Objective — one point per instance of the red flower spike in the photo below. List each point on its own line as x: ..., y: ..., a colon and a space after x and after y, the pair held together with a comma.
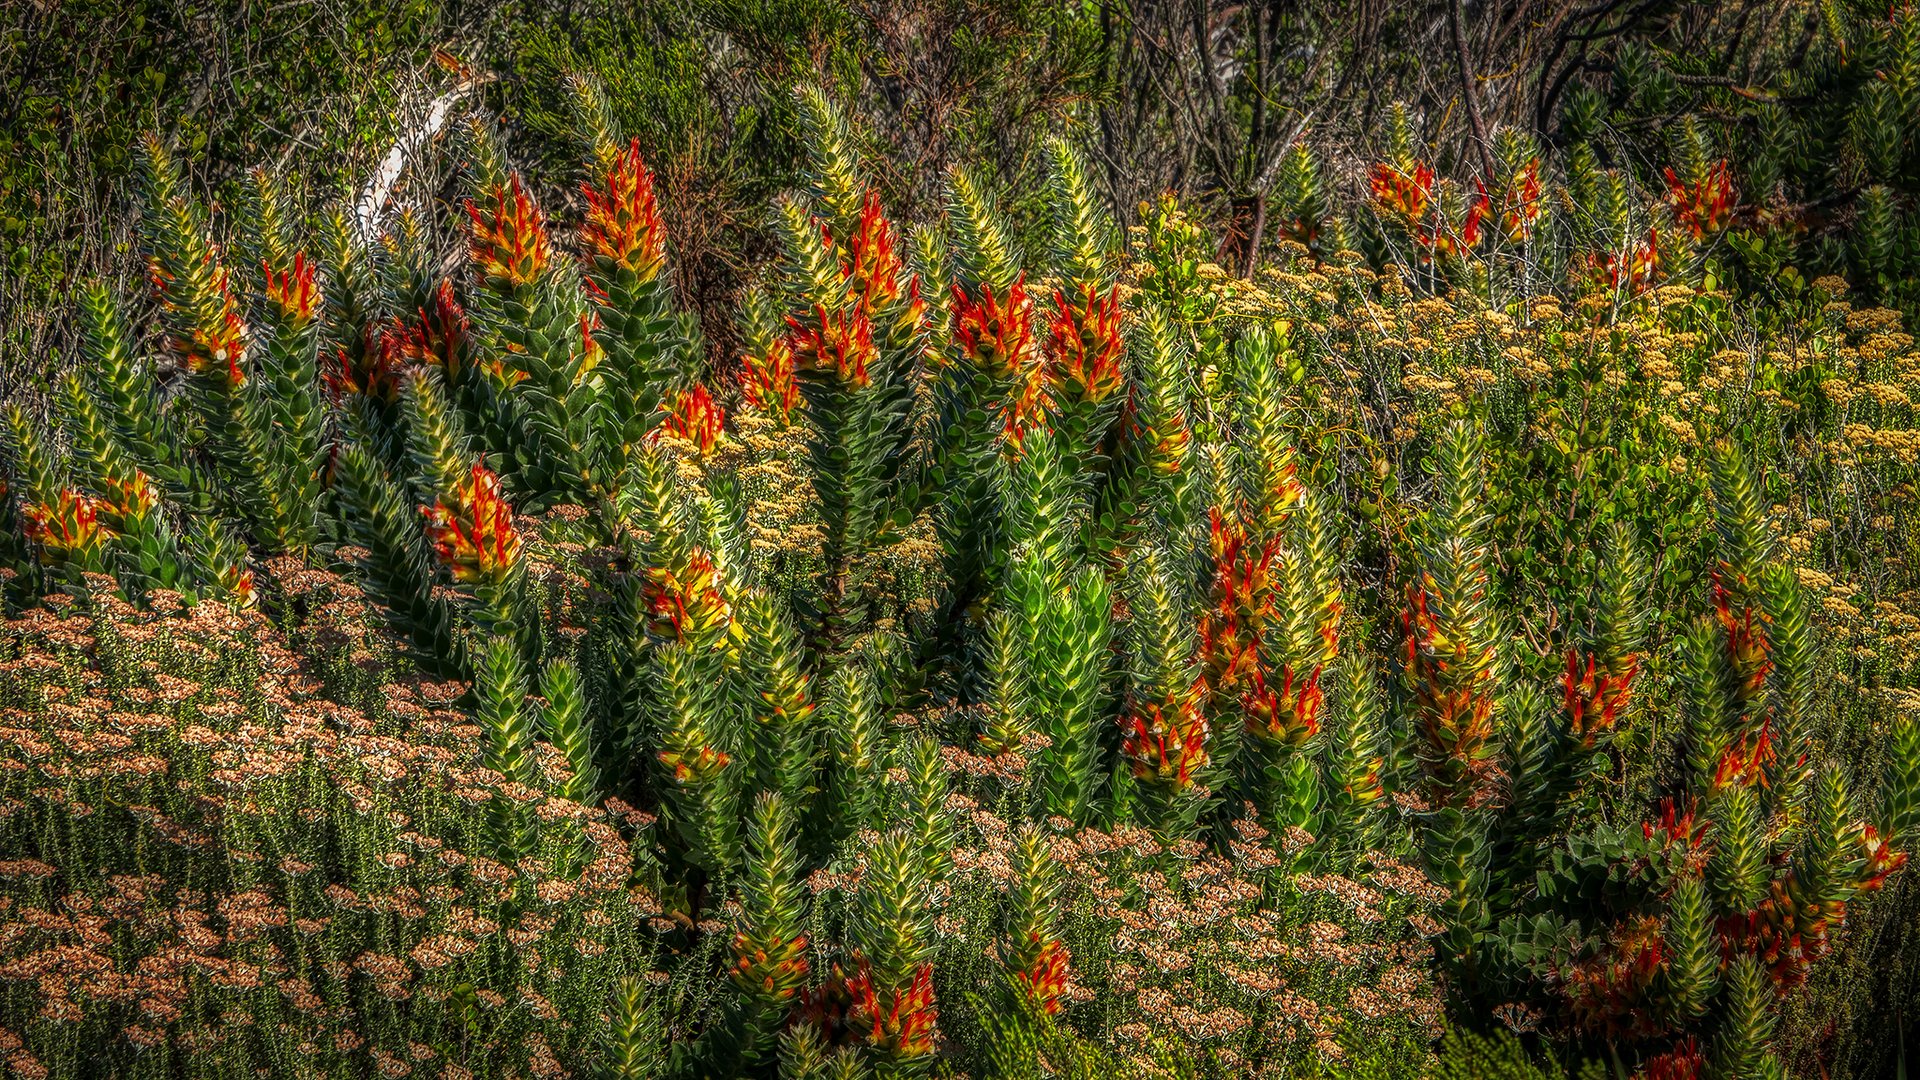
x: 695, y: 766
x: 995, y: 332
x: 695, y: 418
x: 838, y: 342
x: 1674, y: 826
x: 436, y: 337
x: 623, y: 217
x: 687, y: 604
x: 1595, y: 700
x: 1086, y: 343
x: 292, y: 292
x: 1607, y: 990
x: 1878, y: 859
x: 900, y: 1023
x: 1455, y: 720
x: 472, y: 529
x: 1683, y: 1062
x: 1241, y: 602
x: 68, y: 528
x: 874, y: 266
x: 1045, y: 976
x: 1287, y: 715
x: 1404, y: 195
x: 1027, y: 411
x: 1703, y: 207
x: 508, y: 242
x: 1633, y: 270
x: 775, y: 969
x: 1166, y: 742
x: 768, y: 383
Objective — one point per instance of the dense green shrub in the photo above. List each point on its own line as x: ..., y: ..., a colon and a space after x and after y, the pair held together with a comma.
x: 1040, y: 653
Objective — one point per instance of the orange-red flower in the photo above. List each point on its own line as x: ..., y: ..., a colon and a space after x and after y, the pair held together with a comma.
x: 508, y: 241
x: 1044, y: 973
x: 623, y: 217
x: 696, y: 765
x: 900, y: 1022
x: 995, y: 331
x: 840, y: 342
x: 1704, y: 206
x: 1287, y: 714
x: 686, y: 603
x: 873, y: 268
x: 1683, y: 1062
x: 69, y: 528
x: 1745, y: 762
x: 695, y: 418
x: 215, y: 340
x: 1633, y: 269
x: 1595, y: 699
x: 1674, y: 826
x: 1026, y: 410
x: 1878, y: 858
x: 1086, y: 343
x: 436, y: 336
x: 1406, y: 195
x: 1239, y: 606
x: 768, y: 382
x: 472, y: 529
x: 292, y: 292
x: 1455, y: 712
x: 1166, y: 742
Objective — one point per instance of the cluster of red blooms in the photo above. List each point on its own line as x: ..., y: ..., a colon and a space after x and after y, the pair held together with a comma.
x: 837, y: 341
x: 1520, y: 203
x: 1287, y: 714
x: 1595, y: 699
x: 70, y: 527
x: 622, y: 224
x: 1634, y: 268
x: 695, y: 417
x: 840, y: 339
x: 900, y: 1023
x: 850, y: 1008
x: 472, y: 529
x: 686, y: 602
x: 1241, y: 604
x: 129, y: 499
x: 1044, y: 974
x: 1606, y: 989
x: 1704, y: 206
x: 1675, y: 826
x: 1745, y: 762
x: 1792, y: 928
x: 995, y: 330
x: 1683, y: 1062
x: 1086, y: 343
x: 1405, y: 193
x: 767, y: 380
x: 436, y: 337
x: 695, y: 765
x: 508, y: 241
x: 292, y: 291
x: 217, y: 337
x: 873, y: 266
x: 1166, y: 742
x: 1456, y: 714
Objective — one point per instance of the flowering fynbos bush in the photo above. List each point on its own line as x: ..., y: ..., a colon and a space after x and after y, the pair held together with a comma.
x: 1016, y: 660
